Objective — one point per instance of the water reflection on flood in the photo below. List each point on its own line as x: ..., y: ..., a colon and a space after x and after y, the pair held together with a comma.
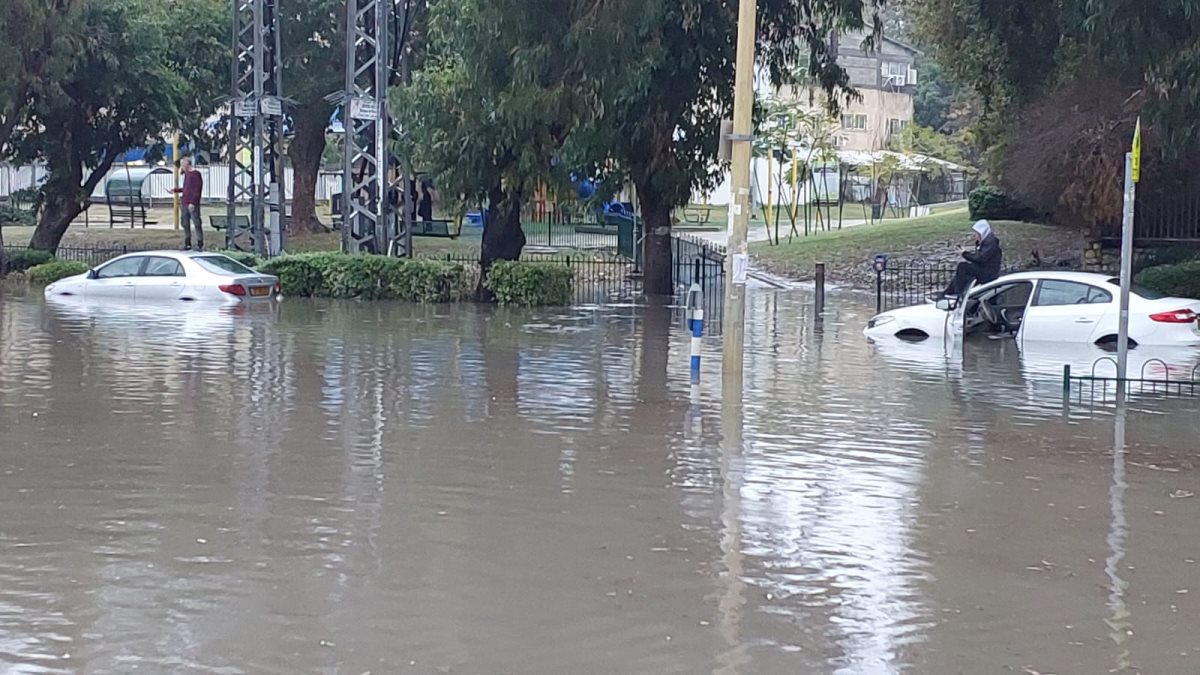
x: 333, y: 488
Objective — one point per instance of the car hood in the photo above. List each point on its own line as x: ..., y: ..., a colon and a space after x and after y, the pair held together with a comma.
x: 915, y: 313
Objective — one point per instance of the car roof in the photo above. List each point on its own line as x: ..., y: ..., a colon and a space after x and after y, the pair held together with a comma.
x: 179, y: 255
x: 1050, y: 275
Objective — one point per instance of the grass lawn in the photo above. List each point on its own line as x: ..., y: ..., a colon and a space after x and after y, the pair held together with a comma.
x: 931, y: 238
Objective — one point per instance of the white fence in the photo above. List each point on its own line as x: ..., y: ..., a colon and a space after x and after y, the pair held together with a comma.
x: 158, y: 186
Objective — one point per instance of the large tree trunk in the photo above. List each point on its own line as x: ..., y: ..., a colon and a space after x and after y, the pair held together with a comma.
x: 57, y: 215
x: 658, y: 279
x: 306, y: 149
x: 503, y: 238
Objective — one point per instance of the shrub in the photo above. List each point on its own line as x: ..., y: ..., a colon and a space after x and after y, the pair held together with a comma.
x: 50, y: 272
x: 10, y: 215
x: 990, y: 203
x: 248, y: 259
x: 369, y: 277
x: 1170, y: 255
x: 1182, y: 280
x: 21, y: 259
x: 530, y: 284
x: 297, y: 274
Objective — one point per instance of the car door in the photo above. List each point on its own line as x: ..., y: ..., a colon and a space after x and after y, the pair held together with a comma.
x: 1067, y: 311
x: 162, y: 278
x: 116, y: 279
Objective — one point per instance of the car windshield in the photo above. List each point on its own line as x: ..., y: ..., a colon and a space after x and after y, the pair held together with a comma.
x: 1138, y: 290
x: 219, y: 264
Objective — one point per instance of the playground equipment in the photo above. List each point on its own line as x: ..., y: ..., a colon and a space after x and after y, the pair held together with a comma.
x: 123, y: 193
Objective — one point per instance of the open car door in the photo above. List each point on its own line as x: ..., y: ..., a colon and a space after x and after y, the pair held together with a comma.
x: 956, y: 322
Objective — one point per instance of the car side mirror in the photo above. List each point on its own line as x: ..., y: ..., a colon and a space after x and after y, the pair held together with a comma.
x: 944, y: 304
x: 91, y: 274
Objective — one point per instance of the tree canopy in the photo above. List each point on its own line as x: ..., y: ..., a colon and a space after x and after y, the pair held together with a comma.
x: 102, y: 93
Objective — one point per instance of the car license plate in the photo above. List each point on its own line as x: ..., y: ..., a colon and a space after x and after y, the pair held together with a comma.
x: 260, y: 291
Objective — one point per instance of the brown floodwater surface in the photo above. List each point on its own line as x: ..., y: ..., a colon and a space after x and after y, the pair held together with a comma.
x: 377, y: 488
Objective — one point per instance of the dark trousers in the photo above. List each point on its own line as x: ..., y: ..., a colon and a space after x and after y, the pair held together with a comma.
x: 190, y: 214
x: 964, y: 274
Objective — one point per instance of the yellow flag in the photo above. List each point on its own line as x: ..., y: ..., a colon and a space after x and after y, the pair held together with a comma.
x: 1137, y: 151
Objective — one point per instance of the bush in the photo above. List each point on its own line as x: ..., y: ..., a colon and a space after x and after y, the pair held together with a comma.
x: 50, y: 272
x: 21, y: 259
x: 248, y: 259
x: 367, y: 277
x: 990, y: 203
x: 297, y: 274
x: 10, y: 215
x: 1170, y: 255
x: 1182, y: 280
x: 530, y: 284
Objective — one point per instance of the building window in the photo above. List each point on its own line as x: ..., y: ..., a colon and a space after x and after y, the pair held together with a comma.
x: 895, y: 126
x: 895, y: 73
x: 840, y: 141
x: 854, y: 122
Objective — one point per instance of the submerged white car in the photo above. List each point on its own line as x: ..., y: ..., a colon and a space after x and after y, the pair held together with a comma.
x: 1076, y: 307
x: 170, y: 276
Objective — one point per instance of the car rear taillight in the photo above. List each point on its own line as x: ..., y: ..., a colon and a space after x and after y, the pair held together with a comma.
x: 278, y: 288
x: 233, y: 289
x: 1178, y: 316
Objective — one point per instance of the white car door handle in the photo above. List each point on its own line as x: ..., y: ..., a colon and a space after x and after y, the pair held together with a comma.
x: 1085, y: 320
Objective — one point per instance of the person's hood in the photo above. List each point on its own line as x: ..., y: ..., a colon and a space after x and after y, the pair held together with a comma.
x: 983, y: 228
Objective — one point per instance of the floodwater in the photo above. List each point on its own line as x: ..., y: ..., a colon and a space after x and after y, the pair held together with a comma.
x: 373, y: 488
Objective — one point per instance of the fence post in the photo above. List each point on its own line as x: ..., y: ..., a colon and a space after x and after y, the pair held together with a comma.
x: 820, y: 288
x: 878, y: 290
x: 1066, y: 379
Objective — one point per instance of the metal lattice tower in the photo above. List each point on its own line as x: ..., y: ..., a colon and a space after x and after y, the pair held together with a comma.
x: 373, y: 192
x: 255, y: 123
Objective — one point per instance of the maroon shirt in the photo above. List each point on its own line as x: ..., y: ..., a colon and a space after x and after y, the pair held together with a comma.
x: 193, y: 187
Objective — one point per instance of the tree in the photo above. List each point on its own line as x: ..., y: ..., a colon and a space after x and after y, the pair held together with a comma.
x: 313, y: 41
x: 503, y: 86
x: 113, y: 92
x: 661, y: 116
x: 1061, y: 83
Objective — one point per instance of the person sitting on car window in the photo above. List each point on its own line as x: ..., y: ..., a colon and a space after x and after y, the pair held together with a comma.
x: 981, y: 265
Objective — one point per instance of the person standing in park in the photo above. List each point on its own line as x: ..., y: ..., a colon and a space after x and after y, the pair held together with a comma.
x: 192, y: 190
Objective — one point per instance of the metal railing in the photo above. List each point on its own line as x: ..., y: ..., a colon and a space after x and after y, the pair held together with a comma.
x: 598, y: 278
x: 1095, y: 387
x: 909, y: 284
x: 700, y: 262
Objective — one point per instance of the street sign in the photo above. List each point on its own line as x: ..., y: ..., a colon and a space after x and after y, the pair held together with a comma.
x: 1137, y: 152
x: 364, y: 108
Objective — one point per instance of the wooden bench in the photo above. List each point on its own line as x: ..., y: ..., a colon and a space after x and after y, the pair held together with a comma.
x: 222, y: 222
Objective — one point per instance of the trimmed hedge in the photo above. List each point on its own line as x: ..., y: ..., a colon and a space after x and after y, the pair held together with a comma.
x: 14, y: 216
x: 991, y: 203
x: 21, y: 259
x: 50, y: 272
x: 1182, y: 280
x: 368, y: 277
x: 248, y: 259
x: 530, y: 284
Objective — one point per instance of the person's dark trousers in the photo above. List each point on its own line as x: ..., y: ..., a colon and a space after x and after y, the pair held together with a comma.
x: 964, y: 274
x: 191, y: 218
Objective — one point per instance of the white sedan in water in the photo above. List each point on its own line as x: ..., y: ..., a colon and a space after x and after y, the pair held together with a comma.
x: 1076, y: 307
x: 170, y: 276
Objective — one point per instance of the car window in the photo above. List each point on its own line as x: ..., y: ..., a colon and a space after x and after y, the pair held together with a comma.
x: 219, y: 264
x: 125, y: 267
x: 1011, y: 295
x: 1054, y: 293
x: 163, y: 267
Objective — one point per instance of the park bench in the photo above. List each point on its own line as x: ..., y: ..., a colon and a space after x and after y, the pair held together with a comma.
x: 697, y: 215
x: 434, y: 228
x: 222, y: 222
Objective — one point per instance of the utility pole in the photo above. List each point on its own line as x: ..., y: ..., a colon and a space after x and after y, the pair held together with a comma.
x: 739, y: 209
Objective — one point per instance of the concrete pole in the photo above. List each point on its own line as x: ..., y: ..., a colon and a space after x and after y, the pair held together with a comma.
x: 1126, y: 274
x: 739, y: 209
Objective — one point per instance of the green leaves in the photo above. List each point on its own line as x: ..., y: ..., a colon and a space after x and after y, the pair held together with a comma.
x: 530, y: 284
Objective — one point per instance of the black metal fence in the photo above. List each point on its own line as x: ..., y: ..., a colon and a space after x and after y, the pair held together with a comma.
x: 599, y: 278
x: 909, y: 284
x: 700, y: 262
x: 1097, y: 387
